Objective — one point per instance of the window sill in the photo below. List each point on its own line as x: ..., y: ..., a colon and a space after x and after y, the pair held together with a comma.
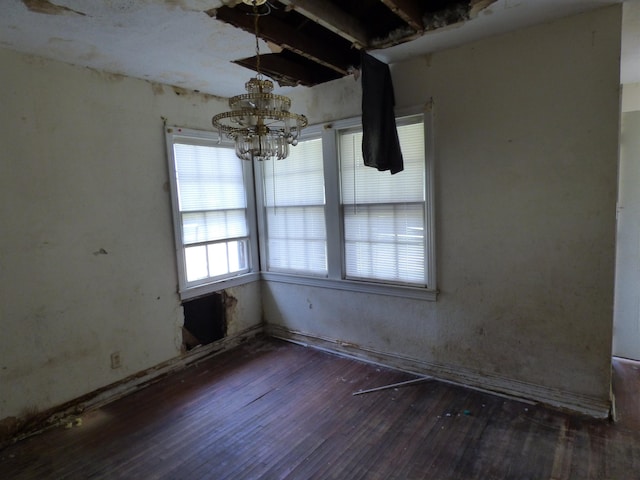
x: 201, y: 290
x: 414, y: 293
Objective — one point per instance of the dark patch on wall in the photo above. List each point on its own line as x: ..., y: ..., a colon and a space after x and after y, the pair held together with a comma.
x: 46, y: 7
x: 205, y: 320
x: 13, y: 427
x: 180, y: 91
x: 8, y: 427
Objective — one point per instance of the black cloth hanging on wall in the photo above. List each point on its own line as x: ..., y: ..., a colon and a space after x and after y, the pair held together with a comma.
x: 380, y: 144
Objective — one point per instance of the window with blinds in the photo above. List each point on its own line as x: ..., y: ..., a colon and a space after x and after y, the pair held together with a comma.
x: 323, y: 217
x: 384, y: 215
x: 212, y: 210
x: 294, y: 204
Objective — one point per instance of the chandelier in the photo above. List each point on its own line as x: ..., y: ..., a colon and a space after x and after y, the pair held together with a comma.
x: 260, y: 123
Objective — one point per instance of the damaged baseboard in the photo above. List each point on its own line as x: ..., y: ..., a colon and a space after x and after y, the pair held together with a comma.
x: 489, y: 383
x: 41, y: 421
x: 142, y: 379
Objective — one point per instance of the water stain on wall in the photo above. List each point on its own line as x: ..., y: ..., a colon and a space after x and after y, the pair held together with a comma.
x: 157, y: 88
x: 195, y: 95
x: 109, y: 76
x: 49, y: 8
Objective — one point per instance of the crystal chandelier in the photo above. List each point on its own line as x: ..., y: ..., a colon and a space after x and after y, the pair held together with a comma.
x: 260, y: 123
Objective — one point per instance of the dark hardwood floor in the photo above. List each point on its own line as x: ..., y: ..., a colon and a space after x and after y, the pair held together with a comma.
x: 273, y: 410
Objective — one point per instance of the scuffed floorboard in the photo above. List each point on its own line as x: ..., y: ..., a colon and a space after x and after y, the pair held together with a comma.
x: 271, y: 410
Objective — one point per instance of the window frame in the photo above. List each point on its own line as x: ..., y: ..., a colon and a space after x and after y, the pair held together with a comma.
x: 335, y: 225
x: 309, y: 133
x: 188, y: 290
x: 347, y: 208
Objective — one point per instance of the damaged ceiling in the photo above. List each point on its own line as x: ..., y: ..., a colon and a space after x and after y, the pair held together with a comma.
x: 208, y: 45
x: 314, y: 41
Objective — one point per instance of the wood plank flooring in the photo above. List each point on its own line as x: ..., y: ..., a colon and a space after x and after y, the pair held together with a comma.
x: 274, y: 410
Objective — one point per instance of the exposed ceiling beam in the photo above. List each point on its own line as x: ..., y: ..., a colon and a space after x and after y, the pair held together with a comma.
x: 332, y: 18
x: 288, y: 72
x: 411, y: 11
x: 276, y: 31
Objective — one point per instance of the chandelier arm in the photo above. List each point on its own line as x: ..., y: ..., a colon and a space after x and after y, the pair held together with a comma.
x: 274, y: 99
x: 301, y: 120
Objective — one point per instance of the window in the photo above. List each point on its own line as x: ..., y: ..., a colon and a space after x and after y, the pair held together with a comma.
x: 212, y: 211
x: 294, y: 204
x: 324, y: 218
x: 331, y: 221
x: 384, y: 215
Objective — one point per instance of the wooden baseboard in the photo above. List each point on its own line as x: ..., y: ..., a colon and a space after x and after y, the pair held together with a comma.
x: 25, y: 427
x: 494, y: 384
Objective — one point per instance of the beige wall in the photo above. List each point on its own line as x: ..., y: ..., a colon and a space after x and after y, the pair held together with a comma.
x: 630, y: 97
x: 526, y: 176
x: 526, y: 143
x: 83, y: 170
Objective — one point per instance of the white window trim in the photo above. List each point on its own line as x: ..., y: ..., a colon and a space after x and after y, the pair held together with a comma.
x: 333, y: 218
x: 185, y: 290
x: 416, y: 293
x: 430, y: 219
x: 309, y: 133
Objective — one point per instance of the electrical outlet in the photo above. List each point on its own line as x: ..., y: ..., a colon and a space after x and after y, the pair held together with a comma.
x: 115, y: 360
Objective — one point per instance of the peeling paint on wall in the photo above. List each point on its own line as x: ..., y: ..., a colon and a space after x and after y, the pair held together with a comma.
x: 230, y: 304
x: 180, y: 91
x: 49, y: 8
x: 112, y: 77
x: 195, y: 94
x: 476, y: 6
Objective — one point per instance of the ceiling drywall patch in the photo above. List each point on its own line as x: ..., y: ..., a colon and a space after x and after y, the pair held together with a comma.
x: 45, y: 6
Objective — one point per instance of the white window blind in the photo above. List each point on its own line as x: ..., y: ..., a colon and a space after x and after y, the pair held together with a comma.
x: 212, y: 210
x: 294, y: 200
x: 383, y: 214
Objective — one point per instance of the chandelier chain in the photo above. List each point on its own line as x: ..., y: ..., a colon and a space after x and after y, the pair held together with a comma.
x: 255, y: 27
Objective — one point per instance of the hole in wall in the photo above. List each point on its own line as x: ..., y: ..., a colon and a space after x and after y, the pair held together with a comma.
x: 205, y: 320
